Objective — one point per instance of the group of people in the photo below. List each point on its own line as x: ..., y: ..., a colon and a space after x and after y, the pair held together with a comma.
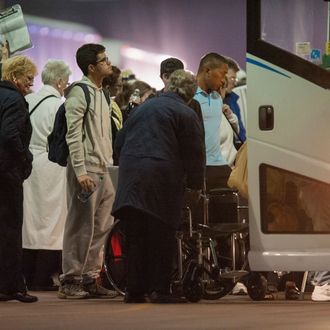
x: 167, y: 145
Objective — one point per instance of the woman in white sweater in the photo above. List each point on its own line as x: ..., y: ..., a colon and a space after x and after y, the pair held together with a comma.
x: 229, y: 123
x: 45, y: 191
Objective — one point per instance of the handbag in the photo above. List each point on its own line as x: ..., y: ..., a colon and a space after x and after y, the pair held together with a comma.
x: 238, y: 178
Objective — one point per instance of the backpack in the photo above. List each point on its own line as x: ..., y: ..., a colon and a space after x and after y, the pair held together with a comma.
x: 58, y: 150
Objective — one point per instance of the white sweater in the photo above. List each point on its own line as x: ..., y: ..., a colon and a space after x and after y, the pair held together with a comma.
x: 228, y: 149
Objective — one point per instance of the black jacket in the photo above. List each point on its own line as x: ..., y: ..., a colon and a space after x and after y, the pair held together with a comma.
x: 15, y: 132
x: 161, y: 148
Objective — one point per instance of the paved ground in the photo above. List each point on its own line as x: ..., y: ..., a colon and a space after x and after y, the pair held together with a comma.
x: 231, y: 312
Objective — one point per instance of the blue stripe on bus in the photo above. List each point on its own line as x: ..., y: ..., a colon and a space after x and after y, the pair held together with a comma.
x: 250, y: 60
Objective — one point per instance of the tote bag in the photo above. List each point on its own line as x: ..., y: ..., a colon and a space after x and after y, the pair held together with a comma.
x: 238, y: 178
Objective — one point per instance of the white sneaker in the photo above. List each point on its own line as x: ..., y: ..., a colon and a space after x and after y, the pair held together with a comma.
x: 239, y: 289
x: 321, y: 292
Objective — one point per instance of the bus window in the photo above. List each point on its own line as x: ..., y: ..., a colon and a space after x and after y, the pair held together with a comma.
x: 297, y: 26
x: 292, y: 203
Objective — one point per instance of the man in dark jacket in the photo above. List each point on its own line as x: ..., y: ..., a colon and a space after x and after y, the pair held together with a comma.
x: 15, y: 166
x: 161, y: 150
x: 231, y: 98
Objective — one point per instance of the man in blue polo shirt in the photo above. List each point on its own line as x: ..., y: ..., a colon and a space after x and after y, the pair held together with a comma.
x: 210, y: 77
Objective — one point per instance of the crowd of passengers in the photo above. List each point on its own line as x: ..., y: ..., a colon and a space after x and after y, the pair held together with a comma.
x: 169, y: 144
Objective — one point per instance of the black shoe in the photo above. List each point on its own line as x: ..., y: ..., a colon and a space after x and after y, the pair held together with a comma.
x: 134, y: 299
x: 20, y: 296
x: 24, y: 297
x: 292, y: 293
x: 159, y: 298
x: 5, y: 297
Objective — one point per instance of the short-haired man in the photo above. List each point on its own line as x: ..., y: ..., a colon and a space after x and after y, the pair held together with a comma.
x: 90, y: 154
x: 160, y: 145
x: 167, y: 67
x: 210, y: 77
x: 231, y: 97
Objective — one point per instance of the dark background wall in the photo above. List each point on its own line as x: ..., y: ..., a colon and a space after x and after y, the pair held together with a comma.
x: 183, y: 28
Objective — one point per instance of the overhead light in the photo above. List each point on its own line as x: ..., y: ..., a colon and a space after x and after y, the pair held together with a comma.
x: 143, y: 55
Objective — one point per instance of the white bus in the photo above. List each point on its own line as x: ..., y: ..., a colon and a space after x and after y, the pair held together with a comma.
x: 288, y: 129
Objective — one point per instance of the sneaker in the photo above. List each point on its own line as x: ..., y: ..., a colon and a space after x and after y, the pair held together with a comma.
x: 239, y: 289
x: 97, y: 291
x: 321, y: 292
x: 72, y: 291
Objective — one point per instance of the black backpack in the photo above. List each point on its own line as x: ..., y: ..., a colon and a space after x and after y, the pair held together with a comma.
x: 58, y: 150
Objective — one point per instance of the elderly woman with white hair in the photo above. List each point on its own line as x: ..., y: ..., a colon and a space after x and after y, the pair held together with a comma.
x: 45, y: 191
x: 161, y: 151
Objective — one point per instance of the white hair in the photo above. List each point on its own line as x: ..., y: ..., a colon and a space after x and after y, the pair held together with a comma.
x: 183, y: 83
x: 53, y: 71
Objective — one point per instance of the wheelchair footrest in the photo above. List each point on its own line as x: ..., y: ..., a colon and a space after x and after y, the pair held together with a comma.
x: 236, y: 274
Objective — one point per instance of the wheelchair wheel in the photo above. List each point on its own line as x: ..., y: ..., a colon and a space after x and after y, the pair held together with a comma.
x: 217, y: 288
x: 220, y: 282
x: 256, y: 285
x: 192, y: 284
x: 115, y: 262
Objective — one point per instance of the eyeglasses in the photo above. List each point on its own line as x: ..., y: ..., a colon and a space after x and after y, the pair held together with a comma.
x: 103, y: 60
x: 233, y: 79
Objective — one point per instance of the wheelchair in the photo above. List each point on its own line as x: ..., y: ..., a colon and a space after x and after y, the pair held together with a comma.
x: 232, y: 234
x: 225, y: 219
x: 211, y: 255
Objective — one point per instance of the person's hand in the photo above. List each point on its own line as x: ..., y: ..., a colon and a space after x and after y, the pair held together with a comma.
x: 86, y: 183
x: 4, y: 52
x: 222, y: 92
x: 226, y: 110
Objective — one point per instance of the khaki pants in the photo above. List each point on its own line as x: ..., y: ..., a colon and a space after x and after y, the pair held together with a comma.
x: 86, y: 228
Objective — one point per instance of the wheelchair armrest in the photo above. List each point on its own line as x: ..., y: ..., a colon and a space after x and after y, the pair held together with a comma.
x: 221, y: 191
x: 224, y: 228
